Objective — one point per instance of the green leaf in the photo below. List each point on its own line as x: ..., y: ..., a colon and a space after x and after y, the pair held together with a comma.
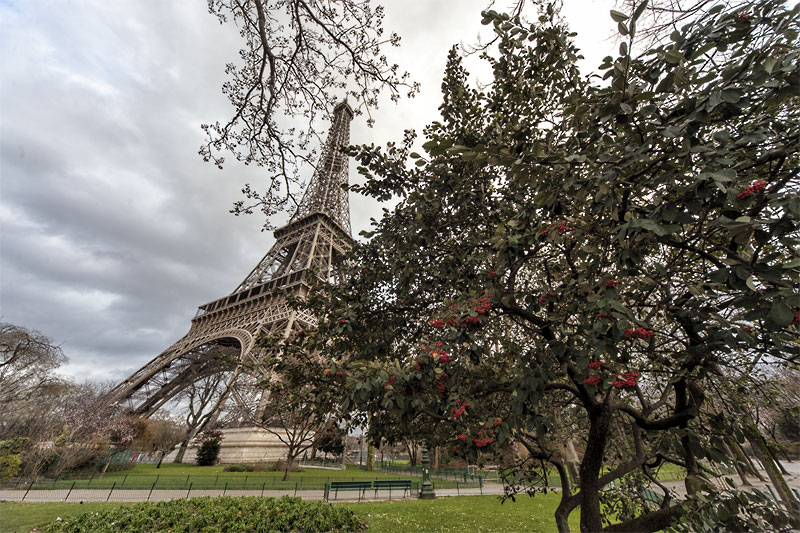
x: 731, y: 96
x: 794, y: 263
x: 639, y: 10
x: 779, y: 314
x: 618, y: 16
x: 622, y: 28
x: 674, y: 56
x: 623, y: 48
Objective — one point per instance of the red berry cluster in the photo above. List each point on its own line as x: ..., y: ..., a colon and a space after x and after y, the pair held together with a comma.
x: 460, y: 408
x: 462, y: 437
x: 603, y: 315
x: 390, y: 381
x: 484, y: 438
x: 497, y: 422
x: 796, y: 320
x: 594, y: 365
x: 444, y: 358
x: 342, y: 321
x: 755, y: 188
x: 492, y: 273
x: 484, y: 304
x: 561, y: 228
x: 440, y: 387
x: 744, y: 18
x: 611, y: 283
x: 594, y: 381
x: 543, y: 299
x: 627, y: 379
x: 638, y: 333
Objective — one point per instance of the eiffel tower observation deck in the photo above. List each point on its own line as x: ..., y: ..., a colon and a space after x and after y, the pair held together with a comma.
x: 206, y: 370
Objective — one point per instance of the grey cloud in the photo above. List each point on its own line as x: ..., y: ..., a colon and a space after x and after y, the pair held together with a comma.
x: 113, y: 229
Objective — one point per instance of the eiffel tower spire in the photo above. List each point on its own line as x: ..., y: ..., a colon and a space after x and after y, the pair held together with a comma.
x: 324, y: 193
x: 224, y: 335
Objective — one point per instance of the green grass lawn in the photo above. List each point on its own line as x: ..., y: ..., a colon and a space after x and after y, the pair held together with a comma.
x: 178, y: 476
x: 26, y: 516
x: 465, y: 513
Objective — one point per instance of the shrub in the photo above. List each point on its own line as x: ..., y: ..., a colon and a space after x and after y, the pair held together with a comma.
x: 280, y: 466
x: 11, y: 457
x: 209, y: 448
x: 239, y: 468
x: 215, y: 514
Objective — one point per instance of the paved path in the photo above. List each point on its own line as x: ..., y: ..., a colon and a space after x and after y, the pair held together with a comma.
x: 125, y: 495
x: 793, y: 479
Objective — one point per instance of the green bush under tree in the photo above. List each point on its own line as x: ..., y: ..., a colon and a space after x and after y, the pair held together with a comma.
x: 222, y: 514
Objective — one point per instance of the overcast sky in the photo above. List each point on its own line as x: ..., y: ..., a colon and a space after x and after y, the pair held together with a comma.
x: 112, y: 229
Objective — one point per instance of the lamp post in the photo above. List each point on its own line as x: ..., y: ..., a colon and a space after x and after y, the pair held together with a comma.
x: 426, y: 492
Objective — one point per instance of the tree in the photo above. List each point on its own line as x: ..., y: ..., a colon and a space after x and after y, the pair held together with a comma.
x: 291, y: 407
x: 28, y: 360
x: 210, y: 443
x: 332, y: 440
x: 199, y: 400
x: 159, y: 434
x: 298, y: 59
x: 623, y: 250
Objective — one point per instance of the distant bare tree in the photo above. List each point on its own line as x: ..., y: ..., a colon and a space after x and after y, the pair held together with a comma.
x: 28, y: 360
x: 199, y: 400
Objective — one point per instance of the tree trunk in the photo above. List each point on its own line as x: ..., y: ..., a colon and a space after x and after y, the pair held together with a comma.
x: 412, y: 454
x: 737, y: 464
x: 289, y: 463
x: 762, y: 452
x: 599, y: 422
x: 105, y: 466
x: 314, y: 451
x: 161, y: 459
x: 437, y: 458
x: 182, y: 450
x: 563, y: 510
x: 776, y: 461
x: 370, y: 458
x: 572, y: 462
x: 738, y: 452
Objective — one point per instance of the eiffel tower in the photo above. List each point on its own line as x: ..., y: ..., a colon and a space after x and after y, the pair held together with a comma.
x: 223, y: 338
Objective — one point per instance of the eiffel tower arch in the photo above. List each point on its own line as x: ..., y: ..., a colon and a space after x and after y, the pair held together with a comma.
x: 224, y: 335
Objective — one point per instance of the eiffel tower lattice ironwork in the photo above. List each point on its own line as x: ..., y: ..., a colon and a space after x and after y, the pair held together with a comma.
x: 307, y: 249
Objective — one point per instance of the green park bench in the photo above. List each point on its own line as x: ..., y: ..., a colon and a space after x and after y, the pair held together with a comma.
x: 389, y: 484
x: 652, y: 497
x: 336, y: 486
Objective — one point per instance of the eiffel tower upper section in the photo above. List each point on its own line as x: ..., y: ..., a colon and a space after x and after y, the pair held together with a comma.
x: 324, y: 196
x: 308, y: 249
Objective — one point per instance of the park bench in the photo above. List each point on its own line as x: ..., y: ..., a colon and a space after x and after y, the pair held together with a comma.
x: 336, y: 486
x: 652, y: 497
x: 389, y: 484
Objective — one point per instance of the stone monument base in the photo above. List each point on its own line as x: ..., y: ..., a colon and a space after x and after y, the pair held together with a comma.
x: 247, y: 445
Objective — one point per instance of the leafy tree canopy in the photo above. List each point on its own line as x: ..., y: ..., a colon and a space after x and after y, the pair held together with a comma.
x: 611, y: 259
